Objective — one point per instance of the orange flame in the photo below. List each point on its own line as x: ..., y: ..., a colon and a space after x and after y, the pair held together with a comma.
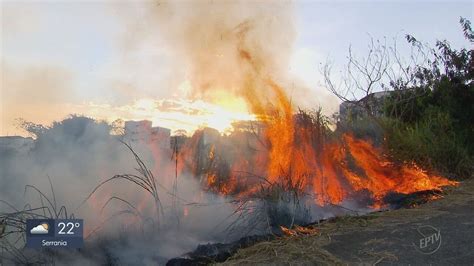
x: 298, y: 231
x: 295, y: 151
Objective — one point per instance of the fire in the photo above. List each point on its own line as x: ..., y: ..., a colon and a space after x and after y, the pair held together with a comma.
x: 293, y: 150
x: 296, y: 152
x: 383, y: 176
x: 298, y: 231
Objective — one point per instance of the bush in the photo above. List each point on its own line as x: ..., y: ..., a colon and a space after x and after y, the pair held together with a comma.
x: 432, y: 143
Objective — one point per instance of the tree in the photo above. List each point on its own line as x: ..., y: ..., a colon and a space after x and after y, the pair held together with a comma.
x: 383, y: 69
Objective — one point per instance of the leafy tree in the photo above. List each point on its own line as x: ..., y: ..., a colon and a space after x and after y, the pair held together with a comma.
x: 431, y: 119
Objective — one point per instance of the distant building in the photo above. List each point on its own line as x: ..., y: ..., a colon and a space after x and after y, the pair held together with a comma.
x: 372, y: 104
x: 353, y: 116
x: 142, y: 131
x: 178, y: 142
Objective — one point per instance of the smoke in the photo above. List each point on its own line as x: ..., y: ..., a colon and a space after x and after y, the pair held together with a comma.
x: 77, y: 154
x: 227, y: 48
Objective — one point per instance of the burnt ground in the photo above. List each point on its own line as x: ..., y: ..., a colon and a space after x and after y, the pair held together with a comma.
x: 383, y: 238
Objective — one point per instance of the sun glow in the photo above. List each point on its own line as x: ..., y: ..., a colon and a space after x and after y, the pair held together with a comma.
x: 222, y: 119
x: 179, y: 113
x: 222, y: 111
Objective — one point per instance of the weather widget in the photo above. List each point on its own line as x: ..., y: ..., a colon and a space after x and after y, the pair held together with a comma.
x: 54, y: 233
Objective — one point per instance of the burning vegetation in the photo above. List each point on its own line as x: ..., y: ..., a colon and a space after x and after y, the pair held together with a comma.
x: 299, y: 153
x: 284, y: 152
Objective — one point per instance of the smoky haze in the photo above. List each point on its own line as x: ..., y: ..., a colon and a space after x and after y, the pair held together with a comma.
x: 227, y: 49
x: 77, y: 154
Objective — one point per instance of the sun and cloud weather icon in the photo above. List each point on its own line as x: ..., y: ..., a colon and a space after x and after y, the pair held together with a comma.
x: 41, y: 229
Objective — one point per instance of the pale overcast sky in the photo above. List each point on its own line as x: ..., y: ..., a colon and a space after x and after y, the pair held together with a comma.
x: 61, y: 57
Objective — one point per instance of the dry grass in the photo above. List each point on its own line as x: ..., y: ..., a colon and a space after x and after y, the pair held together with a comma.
x: 145, y: 180
x: 285, y: 251
x: 303, y: 249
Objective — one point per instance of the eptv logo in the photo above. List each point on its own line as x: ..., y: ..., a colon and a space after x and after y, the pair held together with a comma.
x: 430, y: 240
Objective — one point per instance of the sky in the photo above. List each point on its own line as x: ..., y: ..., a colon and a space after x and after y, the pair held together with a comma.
x: 83, y: 57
